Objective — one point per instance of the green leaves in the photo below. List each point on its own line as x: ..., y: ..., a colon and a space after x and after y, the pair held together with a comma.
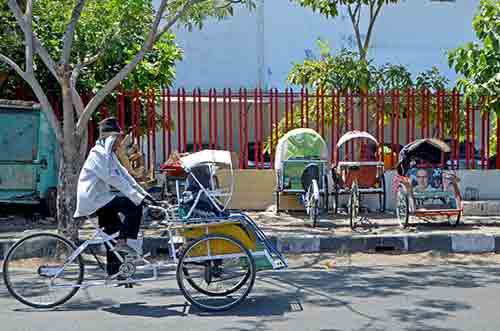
x: 480, y: 63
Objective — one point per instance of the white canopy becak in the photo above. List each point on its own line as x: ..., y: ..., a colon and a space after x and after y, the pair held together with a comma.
x: 206, y: 156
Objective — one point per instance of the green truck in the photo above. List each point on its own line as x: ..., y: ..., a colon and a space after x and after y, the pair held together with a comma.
x: 28, y: 156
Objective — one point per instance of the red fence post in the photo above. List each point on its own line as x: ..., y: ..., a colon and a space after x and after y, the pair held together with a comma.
x: 210, y: 140
x: 231, y: 147
x: 316, y: 103
x: 256, y: 128
x: 195, y: 122
x: 200, y: 121
x: 148, y: 127
x: 467, y: 133
x: 153, y: 125
x: 393, y: 117
x: 224, y: 112
x: 271, y: 121
x: 240, y: 104
x: 377, y: 124
x: 332, y: 127
x: 163, y: 125
x: 216, y: 126
x: 245, y: 105
x: 483, y: 136
x: 261, y: 127
x: 169, y: 118
x: 184, y: 122
x: 286, y: 110
x: 322, y: 112
x: 292, y: 121
x: 302, y: 107
x: 488, y: 131
x: 473, y: 136
x: 307, y: 108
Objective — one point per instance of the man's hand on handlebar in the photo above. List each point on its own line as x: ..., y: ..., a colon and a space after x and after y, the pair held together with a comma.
x: 149, y: 201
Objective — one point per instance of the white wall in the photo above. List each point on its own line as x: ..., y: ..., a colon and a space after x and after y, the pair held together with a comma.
x: 260, y: 46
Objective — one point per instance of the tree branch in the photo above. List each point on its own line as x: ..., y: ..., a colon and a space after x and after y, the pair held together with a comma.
x: 372, y: 23
x: 153, y: 36
x: 75, y: 96
x: 38, y: 48
x: 70, y: 31
x: 357, y: 12
x: 13, y: 65
x: 102, y: 48
x: 28, y: 36
x: 356, y: 31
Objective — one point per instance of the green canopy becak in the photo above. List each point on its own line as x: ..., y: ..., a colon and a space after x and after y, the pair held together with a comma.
x: 300, y: 144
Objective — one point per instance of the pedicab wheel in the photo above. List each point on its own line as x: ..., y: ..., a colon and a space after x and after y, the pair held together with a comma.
x: 216, y: 272
x: 353, y: 205
x: 335, y: 201
x: 454, y: 220
x: 402, y: 208
x: 33, y: 270
x: 381, y: 196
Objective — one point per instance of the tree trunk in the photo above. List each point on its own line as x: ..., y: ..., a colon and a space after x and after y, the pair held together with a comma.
x: 70, y: 165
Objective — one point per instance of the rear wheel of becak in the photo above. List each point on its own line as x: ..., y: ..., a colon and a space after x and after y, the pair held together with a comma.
x: 353, y: 204
x: 313, y: 202
x: 221, y: 266
x: 403, y: 207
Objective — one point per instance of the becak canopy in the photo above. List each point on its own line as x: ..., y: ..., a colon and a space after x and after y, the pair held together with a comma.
x: 300, y: 144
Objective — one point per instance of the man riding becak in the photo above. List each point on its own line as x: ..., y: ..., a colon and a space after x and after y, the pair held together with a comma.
x: 107, y: 189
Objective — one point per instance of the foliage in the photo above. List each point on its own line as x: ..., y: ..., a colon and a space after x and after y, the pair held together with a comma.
x: 479, y: 63
x: 118, y: 27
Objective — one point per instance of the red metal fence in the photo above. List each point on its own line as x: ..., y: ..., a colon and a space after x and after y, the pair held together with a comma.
x: 244, y: 121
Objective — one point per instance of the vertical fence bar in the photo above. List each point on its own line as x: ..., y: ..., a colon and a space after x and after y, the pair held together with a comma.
x: 422, y: 105
x: 179, y: 121
x: 240, y: 104
x: 195, y: 124
x: 200, y: 121
x: 231, y: 146
x: 246, y: 126
x: 361, y: 110
x: 163, y: 125
x: 473, y: 136
x: 323, y: 112
x: 488, y: 130
x: 393, y: 117
x: 138, y: 116
x: 276, y: 114
x: 377, y: 125
x: 332, y: 127
x: 458, y: 123
x: 256, y: 128
x: 483, y: 135
x: 307, y: 108
x: 210, y: 140
x: 408, y: 115
x: 216, y: 121
x: 453, y: 106
x: 398, y: 121
x: 337, y: 156
x: 302, y: 107
x: 316, y: 107
x: 153, y: 124
x: 382, y: 125
x: 271, y: 121
x: 169, y: 118
x: 351, y: 99
x: 467, y: 132
x: 438, y: 113
x: 346, y: 122
x: 224, y: 114
x: 148, y: 127
x: 261, y: 127
x: 286, y: 110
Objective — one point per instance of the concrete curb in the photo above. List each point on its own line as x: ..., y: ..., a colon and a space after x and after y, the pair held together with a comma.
x: 344, y: 244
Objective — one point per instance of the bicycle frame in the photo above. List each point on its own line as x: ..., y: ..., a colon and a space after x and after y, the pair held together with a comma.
x: 100, y: 237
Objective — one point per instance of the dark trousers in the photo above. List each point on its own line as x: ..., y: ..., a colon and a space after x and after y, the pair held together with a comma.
x: 111, y: 223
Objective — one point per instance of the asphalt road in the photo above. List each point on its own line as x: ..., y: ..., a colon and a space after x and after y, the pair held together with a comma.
x: 362, y: 292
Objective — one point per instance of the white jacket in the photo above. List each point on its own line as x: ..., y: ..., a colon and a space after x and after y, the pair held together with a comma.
x: 102, y: 178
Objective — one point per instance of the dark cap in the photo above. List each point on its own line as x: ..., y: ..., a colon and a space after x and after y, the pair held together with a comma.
x: 110, y: 125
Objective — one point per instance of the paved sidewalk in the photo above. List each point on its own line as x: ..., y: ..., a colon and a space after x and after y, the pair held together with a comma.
x: 293, y: 233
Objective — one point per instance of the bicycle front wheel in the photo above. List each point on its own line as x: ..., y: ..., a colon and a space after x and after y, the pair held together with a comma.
x: 38, y: 271
x: 216, y: 272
